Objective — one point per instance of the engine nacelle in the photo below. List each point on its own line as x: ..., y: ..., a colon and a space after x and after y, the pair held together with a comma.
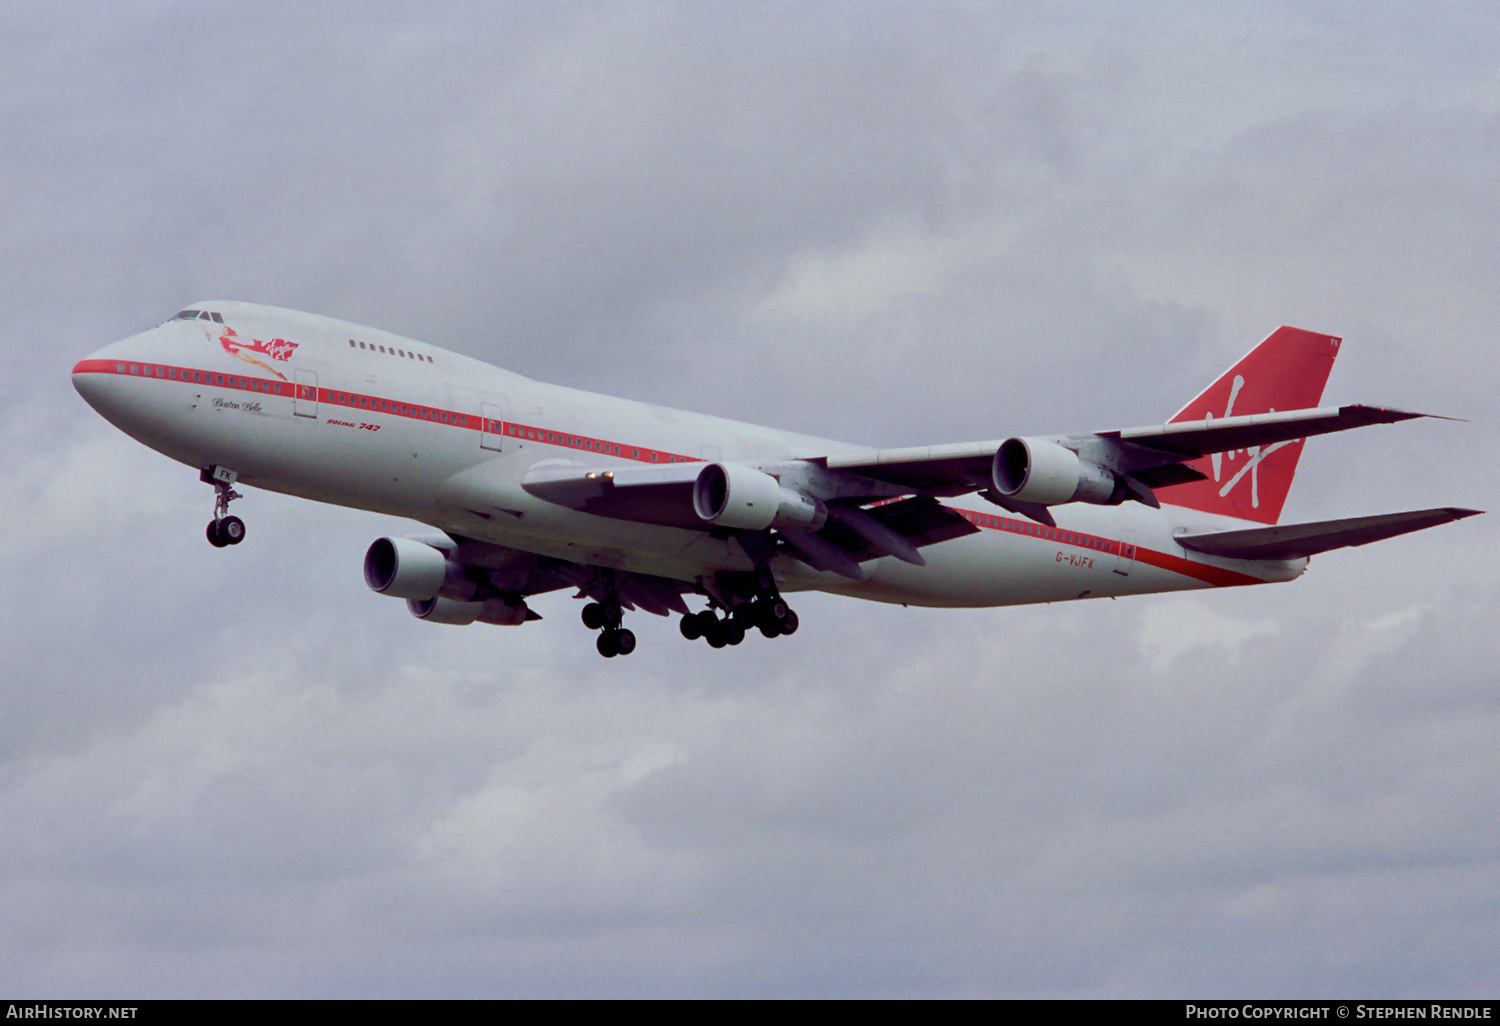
x: 730, y: 495
x: 1047, y: 474
x: 444, y: 610
x: 461, y: 614
x: 410, y: 569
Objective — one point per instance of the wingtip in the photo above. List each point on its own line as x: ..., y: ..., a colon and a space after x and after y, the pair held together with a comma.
x: 1392, y: 414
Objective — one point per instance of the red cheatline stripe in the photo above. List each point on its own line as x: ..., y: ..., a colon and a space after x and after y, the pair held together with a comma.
x: 365, y: 403
x: 1217, y: 576
x: 1176, y: 564
x: 369, y: 404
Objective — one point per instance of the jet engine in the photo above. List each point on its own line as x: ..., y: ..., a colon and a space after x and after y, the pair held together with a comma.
x: 730, y: 495
x: 411, y: 569
x: 1047, y: 474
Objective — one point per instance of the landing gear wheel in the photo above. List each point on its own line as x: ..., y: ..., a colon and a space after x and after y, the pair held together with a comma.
x: 618, y: 641
x: 770, y: 612
x: 593, y: 616
x: 691, y: 627
x: 734, y: 632
x: 232, y: 530
x: 624, y: 641
x: 223, y: 529
x: 789, y: 623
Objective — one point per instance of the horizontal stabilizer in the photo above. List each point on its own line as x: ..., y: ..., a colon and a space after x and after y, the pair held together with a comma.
x: 1294, y: 541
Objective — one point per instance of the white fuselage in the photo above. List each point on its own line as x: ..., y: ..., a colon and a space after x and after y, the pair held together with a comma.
x: 326, y: 410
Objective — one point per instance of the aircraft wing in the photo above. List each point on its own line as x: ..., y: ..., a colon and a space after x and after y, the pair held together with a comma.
x: 1143, y: 458
x: 664, y: 495
x: 523, y: 574
x: 1294, y: 541
x: 1152, y: 455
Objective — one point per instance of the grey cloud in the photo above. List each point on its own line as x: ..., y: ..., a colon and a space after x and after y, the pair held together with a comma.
x: 241, y: 773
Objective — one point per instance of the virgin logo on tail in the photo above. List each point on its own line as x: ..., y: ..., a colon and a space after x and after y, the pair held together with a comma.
x: 1285, y: 372
x: 1255, y: 452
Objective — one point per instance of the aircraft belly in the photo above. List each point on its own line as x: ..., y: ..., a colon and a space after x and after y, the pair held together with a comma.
x: 991, y: 569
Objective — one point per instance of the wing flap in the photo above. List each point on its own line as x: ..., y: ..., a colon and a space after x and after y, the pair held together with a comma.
x: 1295, y: 541
x: 920, y: 521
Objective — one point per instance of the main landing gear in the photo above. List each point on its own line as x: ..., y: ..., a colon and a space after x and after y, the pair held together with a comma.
x: 765, y: 609
x: 223, y: 529
x: 605, y: 618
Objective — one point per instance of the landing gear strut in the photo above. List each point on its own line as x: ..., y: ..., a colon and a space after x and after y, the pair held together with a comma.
x: 605, y: 617
x: 223, y: 529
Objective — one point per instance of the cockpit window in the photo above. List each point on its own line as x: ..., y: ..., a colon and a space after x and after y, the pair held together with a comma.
x: 199, y: 315
x: 187, y: 315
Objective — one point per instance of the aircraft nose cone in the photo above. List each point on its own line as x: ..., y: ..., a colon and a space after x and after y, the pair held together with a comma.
x: 91, y: 378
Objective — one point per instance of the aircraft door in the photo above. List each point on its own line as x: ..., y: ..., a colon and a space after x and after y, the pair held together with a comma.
x: 492, y: 427
x: 1125, y: 557
x: 306, y: 402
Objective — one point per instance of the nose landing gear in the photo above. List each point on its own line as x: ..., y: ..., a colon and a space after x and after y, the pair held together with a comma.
x: 223, y: 529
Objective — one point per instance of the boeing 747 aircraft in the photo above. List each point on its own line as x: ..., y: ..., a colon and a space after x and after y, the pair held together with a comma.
x: 532, y: 488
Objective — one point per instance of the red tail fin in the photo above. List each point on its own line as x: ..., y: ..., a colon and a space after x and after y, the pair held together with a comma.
x: 1285, y: 372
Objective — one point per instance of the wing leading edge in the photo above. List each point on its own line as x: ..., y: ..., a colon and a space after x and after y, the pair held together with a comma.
x: 1152, y: 454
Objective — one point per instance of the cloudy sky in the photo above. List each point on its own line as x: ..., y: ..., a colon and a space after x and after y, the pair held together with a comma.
x: 240, y: 773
